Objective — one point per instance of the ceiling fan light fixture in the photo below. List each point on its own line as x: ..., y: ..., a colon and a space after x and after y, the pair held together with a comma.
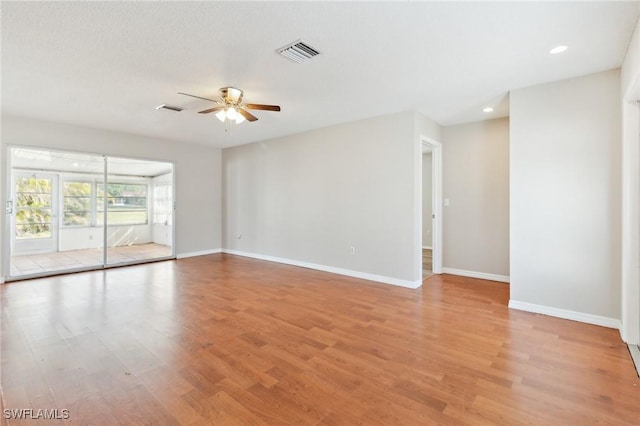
x: 232, y: 113
x: 221, y: 115
x: 232, y: 109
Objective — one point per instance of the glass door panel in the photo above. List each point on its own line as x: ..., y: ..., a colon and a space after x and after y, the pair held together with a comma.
x: 81, y: 237
x: 132, y: 203
x: 53, y: 218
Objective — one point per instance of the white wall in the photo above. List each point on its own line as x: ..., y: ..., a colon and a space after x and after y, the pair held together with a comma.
x: 424, y: 126
x: 310, y: 197
x: 565, y: 197
x: 427, y: 193
x: 476, y: 183
x: 630, y: 93
x: 197, y: 169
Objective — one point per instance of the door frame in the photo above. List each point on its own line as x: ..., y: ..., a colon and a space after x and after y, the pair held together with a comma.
x: 630, y: 318
x: 436, y: 205
x: 5, y: 220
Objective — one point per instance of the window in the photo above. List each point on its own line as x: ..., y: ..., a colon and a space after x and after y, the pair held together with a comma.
x: 76, y: 203
x: 33, y: 207
x: 126, y: 204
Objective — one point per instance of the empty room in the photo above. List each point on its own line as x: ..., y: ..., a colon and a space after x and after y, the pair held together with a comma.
x: 320, y: 213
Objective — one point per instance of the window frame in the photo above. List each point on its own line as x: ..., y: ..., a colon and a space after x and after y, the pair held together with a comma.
x: 97, y: 215
x: 100, y: 213
x: 92, y: 201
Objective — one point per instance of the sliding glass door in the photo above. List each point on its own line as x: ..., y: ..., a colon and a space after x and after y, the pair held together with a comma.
x: 128, y: 205
x: 74, y: 211
x: 80, y: 235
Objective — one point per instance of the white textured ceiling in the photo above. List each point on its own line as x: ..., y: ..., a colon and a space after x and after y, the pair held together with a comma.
x: 108, y: 64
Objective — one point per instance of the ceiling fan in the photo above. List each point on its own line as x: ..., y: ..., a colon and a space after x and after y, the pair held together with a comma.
x: 230, y: 106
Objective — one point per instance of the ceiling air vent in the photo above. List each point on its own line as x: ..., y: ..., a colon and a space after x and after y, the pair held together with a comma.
x: 170, y: 108
x: 298, y: 51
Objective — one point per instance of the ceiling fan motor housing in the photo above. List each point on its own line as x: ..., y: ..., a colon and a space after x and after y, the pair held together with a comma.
x: 231, y: 95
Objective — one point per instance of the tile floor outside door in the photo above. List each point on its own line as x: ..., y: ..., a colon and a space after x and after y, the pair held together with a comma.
x: 60, y: 261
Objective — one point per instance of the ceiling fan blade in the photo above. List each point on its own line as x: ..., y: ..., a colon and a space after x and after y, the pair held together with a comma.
x: 263, y: 107
x: 207, y: 111
x: 199, y: 97
x: 247, y: 115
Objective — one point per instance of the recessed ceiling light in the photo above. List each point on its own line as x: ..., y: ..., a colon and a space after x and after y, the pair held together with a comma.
x: 558, y: 49
x: 487, y: 109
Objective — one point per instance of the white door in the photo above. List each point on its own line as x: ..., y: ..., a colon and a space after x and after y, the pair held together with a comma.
x: 35, y: 213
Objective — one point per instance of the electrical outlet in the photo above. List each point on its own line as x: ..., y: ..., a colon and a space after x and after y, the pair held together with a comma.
x: 352, y: 250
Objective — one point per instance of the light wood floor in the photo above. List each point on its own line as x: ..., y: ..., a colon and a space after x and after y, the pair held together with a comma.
x: 427, y: 263
x: 227, y: 340
x: 64, y: 260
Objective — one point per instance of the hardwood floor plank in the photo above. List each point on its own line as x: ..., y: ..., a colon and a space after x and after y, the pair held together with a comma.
x: 223, y: 339
x: 262, y: 408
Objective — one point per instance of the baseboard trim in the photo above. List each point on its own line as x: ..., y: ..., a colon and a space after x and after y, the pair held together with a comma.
x: 331, y: 269
x: 566, y: 314
x: 474, y: 274
x: 427, y: 247
x: 1, y: 280
x: 198, y: 253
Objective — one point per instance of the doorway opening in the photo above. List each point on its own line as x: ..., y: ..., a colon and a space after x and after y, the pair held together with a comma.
x: 431, y: 248
x: 72, y: 212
